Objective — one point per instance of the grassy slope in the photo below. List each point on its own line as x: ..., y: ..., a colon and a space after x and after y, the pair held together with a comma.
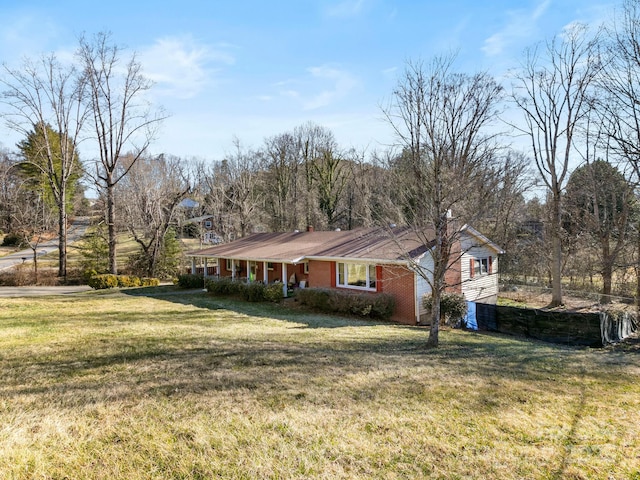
x: 109, y: 385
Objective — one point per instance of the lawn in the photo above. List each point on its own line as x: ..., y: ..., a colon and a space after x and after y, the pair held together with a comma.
x: 117, y: 385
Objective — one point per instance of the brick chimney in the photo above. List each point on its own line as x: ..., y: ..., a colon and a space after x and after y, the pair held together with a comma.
x: 309, y: 228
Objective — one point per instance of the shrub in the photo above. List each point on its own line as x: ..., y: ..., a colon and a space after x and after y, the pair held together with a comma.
x: 149, y: 282
x: 453, y: 307
x: 128, y: 281
x: 13, y: 239
x: 379, y: 305
x: 317, y: 298
x: 225, y: 286
x: 105, y: 280
x: 253, y: 292
x: 190, y: 281
x: 273, y: 293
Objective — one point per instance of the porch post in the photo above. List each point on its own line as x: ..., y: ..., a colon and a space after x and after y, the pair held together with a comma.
x: 233, y: 269
x: 265, y: 273
x: 205, y: 273
x: 193, y: 265
x: 284, y: 279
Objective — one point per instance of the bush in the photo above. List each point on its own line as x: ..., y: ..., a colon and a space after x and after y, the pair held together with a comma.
x: 225, y: 286
x: 453, y: 307
x: 103, y: 281
x: 125, y: 281
x: 149, y: 282
x: 107, y: 280
x: 368, y: 305
x: 316, y: 298
x: 253, y: 292
x: 273, y: 293
x: 190, y: 281
x: 13, y: 239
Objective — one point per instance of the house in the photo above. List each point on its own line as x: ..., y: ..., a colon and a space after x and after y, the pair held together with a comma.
x: 369, y: 260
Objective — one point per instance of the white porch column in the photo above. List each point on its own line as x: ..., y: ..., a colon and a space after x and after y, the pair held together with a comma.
x: 205, y: 273
x: 233, y: 269
x: 193, y: 265
x: 265, y: 273
x: 285, y: 279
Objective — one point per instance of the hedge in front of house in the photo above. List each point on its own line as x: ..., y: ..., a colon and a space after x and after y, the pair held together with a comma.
x: 368, y: 305
x: 190, y: 280
x: 251, y: 292
x: 108, y: 280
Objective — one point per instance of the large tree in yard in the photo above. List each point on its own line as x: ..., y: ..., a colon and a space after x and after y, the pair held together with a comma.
x: 46, y: 105
x: 440, y: 119
x: 553, y: 91
x: 122, y: 119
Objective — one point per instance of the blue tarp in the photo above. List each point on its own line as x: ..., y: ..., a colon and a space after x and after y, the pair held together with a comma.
x: 470, y: 320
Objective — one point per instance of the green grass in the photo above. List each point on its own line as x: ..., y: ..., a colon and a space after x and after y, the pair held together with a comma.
x: 117, y: 385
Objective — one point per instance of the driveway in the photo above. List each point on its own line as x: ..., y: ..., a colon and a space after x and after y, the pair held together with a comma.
x: 40, y: 291
x: 76, y: 232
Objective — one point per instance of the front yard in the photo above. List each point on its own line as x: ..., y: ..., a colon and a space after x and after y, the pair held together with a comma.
x: 111, y: 385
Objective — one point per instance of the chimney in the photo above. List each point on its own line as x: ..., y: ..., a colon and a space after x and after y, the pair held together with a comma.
x: 309, y: 228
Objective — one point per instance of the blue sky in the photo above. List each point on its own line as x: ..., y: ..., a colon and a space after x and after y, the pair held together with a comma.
x: 253, y: 69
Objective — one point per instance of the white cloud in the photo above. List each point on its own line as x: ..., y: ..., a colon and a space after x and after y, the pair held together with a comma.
x: 520, y: 26
x: 341, y: 83
x: 180, y: 66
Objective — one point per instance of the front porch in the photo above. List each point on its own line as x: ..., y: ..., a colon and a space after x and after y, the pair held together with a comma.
x: 291, y: 275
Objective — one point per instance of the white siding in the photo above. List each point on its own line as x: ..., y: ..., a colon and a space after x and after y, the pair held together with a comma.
x: 422, y: 286
x: 484, y: 286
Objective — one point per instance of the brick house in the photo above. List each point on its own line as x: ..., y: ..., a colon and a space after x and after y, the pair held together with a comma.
x: 371, y: 260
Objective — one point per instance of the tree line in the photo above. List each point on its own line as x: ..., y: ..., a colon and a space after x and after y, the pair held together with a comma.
x: 564, y: 205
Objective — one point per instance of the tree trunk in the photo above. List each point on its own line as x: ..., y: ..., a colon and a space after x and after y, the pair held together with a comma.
x: 556, y: 262
x: 607, y: 273
x: 62, y: 235
x: 111, y: 225
x: 432, y: 341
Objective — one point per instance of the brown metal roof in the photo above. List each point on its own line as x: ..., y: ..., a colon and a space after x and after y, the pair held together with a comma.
x: 373, y: 244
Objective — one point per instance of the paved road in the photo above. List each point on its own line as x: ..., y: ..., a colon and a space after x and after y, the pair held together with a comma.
x: 38, y: 291
x: 76, y: 231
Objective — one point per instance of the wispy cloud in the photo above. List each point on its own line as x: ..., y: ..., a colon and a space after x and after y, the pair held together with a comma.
x: 340, y: 84
x: 346, y: 9
x: 181, y: 67
x: 521, y: 25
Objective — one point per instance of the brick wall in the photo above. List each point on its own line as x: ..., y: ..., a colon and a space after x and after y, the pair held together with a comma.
x: 400, y: 282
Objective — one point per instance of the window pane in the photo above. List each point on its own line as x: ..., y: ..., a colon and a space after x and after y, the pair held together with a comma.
x: 357, y: 275
x: 341, y: 274
x: 372, y: 276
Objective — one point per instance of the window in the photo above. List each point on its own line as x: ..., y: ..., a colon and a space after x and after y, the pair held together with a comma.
x: 305, y: 268
x: 269, y: 265
x: 356, y: 275
x: 228, y: 264
x: 208, y: 224
x: 480, y: 266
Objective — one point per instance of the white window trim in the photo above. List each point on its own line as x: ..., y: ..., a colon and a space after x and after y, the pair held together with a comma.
x: 484, y: 267
x: 346, y: 279
x: 305, y: 269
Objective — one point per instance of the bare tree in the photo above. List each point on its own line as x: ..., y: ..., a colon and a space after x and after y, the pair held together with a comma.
x: 440, y: 119
x: 154, y: 189
x: 620, y: 106
x: 552, y: 90
x: 41, y: 94
x: 123, y: 121
x: 241, y: 193
x: 280, y: 181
